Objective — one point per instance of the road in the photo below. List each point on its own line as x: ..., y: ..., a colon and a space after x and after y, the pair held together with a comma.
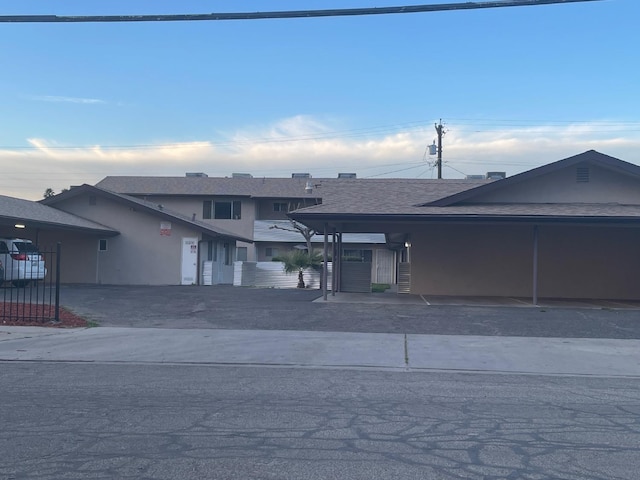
x: 99, y: 421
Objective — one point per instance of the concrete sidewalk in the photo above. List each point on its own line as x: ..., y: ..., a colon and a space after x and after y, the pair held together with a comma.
x: 561, y: 356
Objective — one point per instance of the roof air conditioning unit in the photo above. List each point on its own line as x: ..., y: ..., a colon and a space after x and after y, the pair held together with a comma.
x: 300, y: 175
x: 196, y: 174
x: 496, y: 175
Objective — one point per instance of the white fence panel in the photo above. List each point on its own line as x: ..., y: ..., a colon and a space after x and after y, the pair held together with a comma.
x: 272, y: 275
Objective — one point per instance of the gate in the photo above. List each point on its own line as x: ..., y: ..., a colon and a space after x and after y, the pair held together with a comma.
x: 30, y: 287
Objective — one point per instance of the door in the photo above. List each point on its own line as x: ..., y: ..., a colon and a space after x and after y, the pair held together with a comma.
x: 189, y: 274
x: 385, y: 266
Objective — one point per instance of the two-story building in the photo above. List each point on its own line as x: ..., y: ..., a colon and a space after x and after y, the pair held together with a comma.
x: 255, y: 209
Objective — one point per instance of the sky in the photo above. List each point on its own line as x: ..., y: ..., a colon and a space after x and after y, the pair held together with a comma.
x: 515, y: 88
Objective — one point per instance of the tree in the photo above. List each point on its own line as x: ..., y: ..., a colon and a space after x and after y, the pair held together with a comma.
x: 305, y: 231
x: 48, y: 193
x: 298, y: 261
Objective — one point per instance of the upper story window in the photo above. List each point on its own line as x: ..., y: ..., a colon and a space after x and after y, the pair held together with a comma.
x: 230, y: 210
x: 280, y: 207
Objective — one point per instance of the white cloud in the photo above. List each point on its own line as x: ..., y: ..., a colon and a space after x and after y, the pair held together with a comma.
x: 55, y: 98
x: 306, y: 144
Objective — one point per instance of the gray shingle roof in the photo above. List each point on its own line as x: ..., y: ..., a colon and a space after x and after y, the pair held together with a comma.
x: 238, y: 187
x: 421, y: 190
x: 386, y: 196
x: 152, y: 207
x: 19, y: 210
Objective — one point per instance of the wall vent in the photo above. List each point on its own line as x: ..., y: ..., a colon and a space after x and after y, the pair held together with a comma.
x: 582, y: 174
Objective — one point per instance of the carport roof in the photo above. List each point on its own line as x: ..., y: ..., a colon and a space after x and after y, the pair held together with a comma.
x: 151, y: 207
x: 36, y: 215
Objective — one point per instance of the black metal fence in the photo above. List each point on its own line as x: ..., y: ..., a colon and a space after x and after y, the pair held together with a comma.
x: 30, y: 289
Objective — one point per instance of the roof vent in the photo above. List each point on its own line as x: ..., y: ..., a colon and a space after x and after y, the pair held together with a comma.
x: 196, y: 174
x: 582, y: 174
x: 241, y: 175
x: 496, y: 175
x: 347, y: 175
x: 300, y: 175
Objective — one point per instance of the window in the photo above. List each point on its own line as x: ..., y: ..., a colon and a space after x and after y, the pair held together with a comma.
x: 357, y: 255
x: 206, y: 209
x: 241, y: 254
x: 222, y: 209
x: 271, y: 252
x: 102, y: 245
x: 227, y: 254
x: 212, y: 251
x: 280, y: 207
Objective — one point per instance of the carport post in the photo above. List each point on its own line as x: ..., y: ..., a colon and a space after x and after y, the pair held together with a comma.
x: 324, y: 259
x: 535, y: 264
x: 333, y: 263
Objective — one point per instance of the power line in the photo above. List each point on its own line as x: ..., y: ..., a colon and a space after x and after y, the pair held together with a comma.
x: 281, y: 14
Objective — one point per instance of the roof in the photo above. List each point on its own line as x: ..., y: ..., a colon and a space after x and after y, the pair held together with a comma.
x: 376, y: 206
x: 150, y: 207
x: 219, y: 186
x: 34, y: 214
x: 590, y: 156
x: 386, y: 196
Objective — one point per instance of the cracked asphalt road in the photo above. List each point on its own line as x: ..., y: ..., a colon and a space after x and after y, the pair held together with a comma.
x: 164, y: 422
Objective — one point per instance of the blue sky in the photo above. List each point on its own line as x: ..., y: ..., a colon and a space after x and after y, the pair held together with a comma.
x: 516, y: 87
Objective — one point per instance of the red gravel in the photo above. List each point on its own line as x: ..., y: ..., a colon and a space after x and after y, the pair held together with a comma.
x: 38, y: 316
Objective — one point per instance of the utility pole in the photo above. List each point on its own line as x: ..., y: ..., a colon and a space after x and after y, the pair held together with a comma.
x: 439, y: 130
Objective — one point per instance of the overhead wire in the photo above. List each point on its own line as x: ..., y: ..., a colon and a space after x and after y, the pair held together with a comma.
x: 285, y: 14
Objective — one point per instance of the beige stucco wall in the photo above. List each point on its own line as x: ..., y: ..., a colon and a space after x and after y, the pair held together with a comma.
x: 574, y: 262
x: 604, y: 186
x: 589, y: 262
x: 138, y: 256
x: 78, y: 254
x: 463, y: 260
x: 193, y: 205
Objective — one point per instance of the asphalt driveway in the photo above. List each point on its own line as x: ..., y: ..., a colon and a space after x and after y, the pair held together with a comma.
x: 242, y: 308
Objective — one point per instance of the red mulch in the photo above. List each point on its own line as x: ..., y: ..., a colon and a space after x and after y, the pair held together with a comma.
x: 38, y: 316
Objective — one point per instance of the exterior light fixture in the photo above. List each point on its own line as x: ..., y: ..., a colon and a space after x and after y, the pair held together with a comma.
x: 407, y: 244
x: 19, y: 225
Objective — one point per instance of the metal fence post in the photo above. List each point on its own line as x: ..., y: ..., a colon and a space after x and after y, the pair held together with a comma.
x: 58, y: 248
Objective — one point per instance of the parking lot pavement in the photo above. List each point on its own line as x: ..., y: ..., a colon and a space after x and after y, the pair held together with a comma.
x: 242, y: 308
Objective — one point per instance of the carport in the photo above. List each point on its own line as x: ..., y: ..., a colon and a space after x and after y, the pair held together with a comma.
x: 569, y: 229
x: 46, y: 226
